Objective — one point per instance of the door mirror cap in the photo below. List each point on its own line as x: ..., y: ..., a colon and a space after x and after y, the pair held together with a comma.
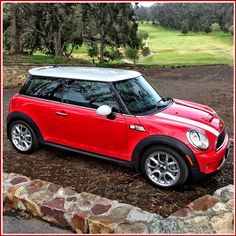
x: 104, y: 110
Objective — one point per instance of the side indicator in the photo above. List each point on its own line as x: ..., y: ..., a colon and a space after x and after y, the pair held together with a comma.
x: 137, y: 127
x: 189, y: 159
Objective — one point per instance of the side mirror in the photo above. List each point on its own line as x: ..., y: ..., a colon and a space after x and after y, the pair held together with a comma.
x: 105, y: 110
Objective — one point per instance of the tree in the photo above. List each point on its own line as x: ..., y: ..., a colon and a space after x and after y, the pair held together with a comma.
x: 231, y: 29
x: 132, y: 53
x: 196, y: 28
x: 207, y: 29
x: 93, y: 51
x: 184, y: 28
x: 215, y: 27
x: 112, y: 24
x: 145, y: 51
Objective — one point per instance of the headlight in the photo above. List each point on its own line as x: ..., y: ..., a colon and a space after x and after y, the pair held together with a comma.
x: 198, y: 139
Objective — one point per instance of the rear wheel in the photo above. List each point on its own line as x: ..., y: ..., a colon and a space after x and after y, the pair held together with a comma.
x: 23, y: 137
x: 164, y: 167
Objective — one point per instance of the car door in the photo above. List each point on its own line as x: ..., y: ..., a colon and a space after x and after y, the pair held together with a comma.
x: 84, y: 128
x: 42, y: 101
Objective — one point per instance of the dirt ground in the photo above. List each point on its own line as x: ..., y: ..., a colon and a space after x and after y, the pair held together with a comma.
x: 210, y: 85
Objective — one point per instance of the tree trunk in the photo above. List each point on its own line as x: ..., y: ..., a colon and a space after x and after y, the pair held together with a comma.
x: 101, y: 53
x: 15, y: 45
x: 57, y: 42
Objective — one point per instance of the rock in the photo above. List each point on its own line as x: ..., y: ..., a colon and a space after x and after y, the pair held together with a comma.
x: 18, y: 180
x: 40, y: 197
x: 31, y: 207
x: 54, y: 211
x: 219, y: 206
x: 84, y: 205
x: 184, y: 212
x: 53, y: 188
x: 131, y: 228
x: 203, y: 203
x: 226, y: 193
x: 10, y: 200
x: 79, y: 222
x: 140, y: 215
x: 98, y: 227
x: 99, y: 209
x: 223, y: 223
x: 230, y: 204
x: 197, y: 225
x: 36, y: 185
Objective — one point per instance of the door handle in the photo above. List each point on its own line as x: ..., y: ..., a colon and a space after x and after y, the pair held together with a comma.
x: 61, y: 113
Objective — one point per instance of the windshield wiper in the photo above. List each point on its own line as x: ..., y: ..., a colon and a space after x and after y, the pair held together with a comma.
x: 164, y: 99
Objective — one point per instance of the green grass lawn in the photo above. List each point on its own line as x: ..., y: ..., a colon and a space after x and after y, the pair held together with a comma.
x: 170, y: 47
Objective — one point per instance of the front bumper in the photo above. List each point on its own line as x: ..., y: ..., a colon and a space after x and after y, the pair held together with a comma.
x: 215, y: 160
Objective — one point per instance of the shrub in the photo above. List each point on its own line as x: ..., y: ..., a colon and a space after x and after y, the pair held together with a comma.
x: 215, y: 27
x: 207, y: 29
x: 231, y: 29
x: 196, y: 28
x: 146, y: 51
x: 132, y: 53
x: 93, y: 51
x: 184, y: 28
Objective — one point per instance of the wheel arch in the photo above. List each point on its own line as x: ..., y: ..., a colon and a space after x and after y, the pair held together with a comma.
x: 22, y: 116
x: 171, y: 142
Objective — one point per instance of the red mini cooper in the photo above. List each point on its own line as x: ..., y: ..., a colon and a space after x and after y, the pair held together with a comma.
x: 117, y: 115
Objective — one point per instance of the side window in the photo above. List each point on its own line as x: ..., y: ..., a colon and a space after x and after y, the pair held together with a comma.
x: 90, y: 94
x: 44, y: 87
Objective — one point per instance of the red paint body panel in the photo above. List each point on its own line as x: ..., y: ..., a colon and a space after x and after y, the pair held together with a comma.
x: 82, y: 128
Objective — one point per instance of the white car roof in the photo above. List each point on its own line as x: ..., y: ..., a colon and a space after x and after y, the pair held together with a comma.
x: 85, y: 73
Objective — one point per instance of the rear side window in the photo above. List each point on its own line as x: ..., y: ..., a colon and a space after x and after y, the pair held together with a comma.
x: 90, y: 94
x: 43, y: 87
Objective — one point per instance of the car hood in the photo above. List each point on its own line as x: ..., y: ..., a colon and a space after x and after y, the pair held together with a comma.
x: 193, y: 114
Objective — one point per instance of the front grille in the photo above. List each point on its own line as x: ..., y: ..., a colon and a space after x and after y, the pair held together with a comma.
x: 220, y: 139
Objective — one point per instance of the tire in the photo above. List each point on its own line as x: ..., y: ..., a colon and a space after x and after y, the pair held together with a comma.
x: 23, y: 137
x: 164, y: 167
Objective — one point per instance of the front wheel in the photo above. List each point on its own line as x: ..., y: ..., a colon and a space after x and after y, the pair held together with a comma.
x: 164, y: 167
x: 23, y: 137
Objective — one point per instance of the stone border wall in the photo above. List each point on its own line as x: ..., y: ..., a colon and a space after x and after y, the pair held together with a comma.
x: 88, y: 213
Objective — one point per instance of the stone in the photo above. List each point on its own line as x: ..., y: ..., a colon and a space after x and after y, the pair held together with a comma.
x: 98, y: 227
x: 40, y: 197
x: 53, y: 188
x: 230, y: 204
x: 203, y: 203
x: 79, y: 222
x: 226, y: 193
x: 69, y: 192
x: 71, y: 199
x: 18, y: 180
x: 137, y: 214
x: 53, y: 211
x: 184, y: 212
x: 84, y: 205
x: 10, y: 200
x: 223, y: 223
x: 36, y: 185
x: 31, y: 207
x: 99, y: 209
x: 219, y: 206
x: 131, y: 228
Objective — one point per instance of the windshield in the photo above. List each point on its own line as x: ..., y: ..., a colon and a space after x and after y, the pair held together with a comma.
x: 139, y: 96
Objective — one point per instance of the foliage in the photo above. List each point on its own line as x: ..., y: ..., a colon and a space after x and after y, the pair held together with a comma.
x: 196, y: 28
x: 207, y: 29
x: 7, y: 39
x: 132, y: 53
x: 215, y: 27
x: 231, y: 29
x: 184, y: 28
x: 171, y: 15
x: 145, y: 51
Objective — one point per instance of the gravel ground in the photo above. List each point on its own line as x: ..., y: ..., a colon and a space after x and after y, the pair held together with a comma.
x: 210, y: 85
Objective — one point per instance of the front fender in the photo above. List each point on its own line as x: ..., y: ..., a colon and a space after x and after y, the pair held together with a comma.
x: 174, y: 143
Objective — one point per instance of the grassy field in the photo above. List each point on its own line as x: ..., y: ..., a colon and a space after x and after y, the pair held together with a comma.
x: 170, y: 47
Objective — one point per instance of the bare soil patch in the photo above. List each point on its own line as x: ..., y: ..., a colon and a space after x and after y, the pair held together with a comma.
x: 210, y: 85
